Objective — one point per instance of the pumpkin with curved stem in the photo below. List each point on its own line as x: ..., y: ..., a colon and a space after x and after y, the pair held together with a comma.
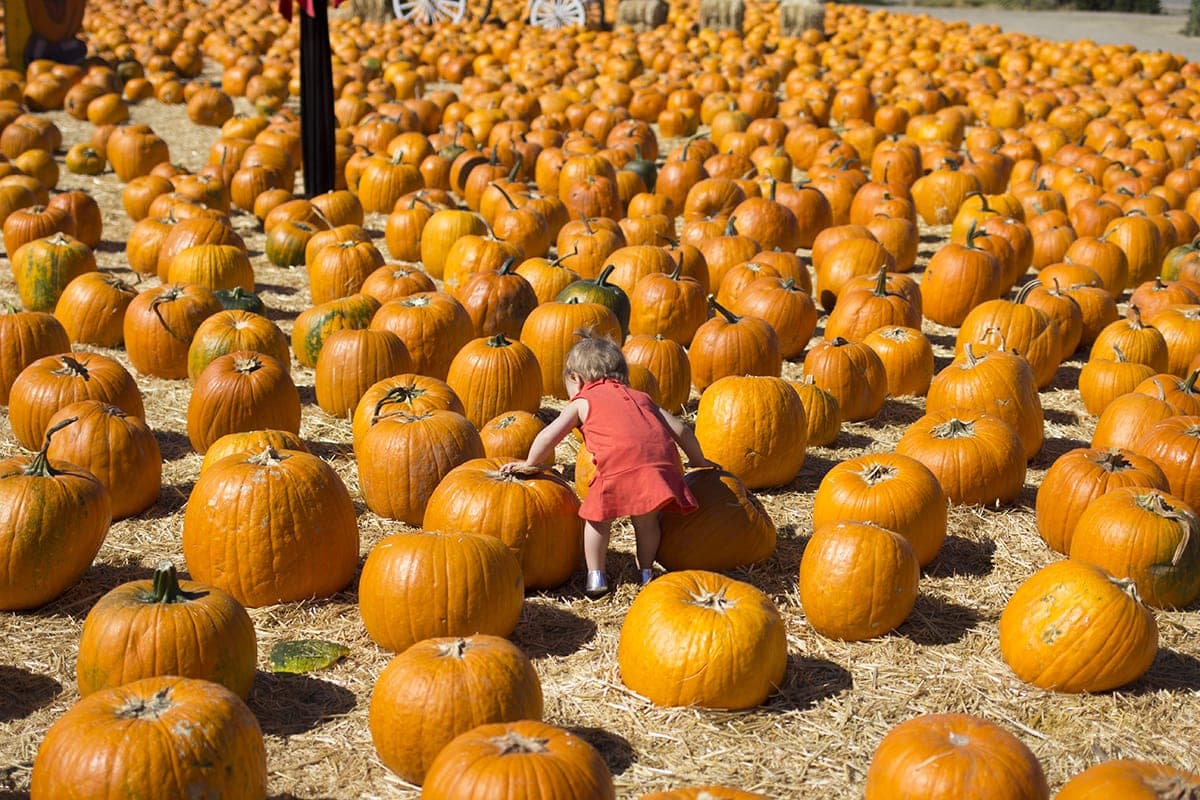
x: 730, y: 529
x: 1141, y: 343
x: 202, y: 734
x: 444, y: 687
x: 857, y: 580
x: 159, y: 326
x: 1146, y: 535
x: 1131, y: 780
x: 852, y: 373
x: 784, y: 305
x: 889, y: 490
x: 537, y: 516
x: 401, y: 602
x: 770, y: 452
x: 671, y: 305
x: 25, y: 337
x: 510, y: 435
x: 860, y: 310
x: 1078, y: 478
x: 958, y: 278
x: 523, y: 759
x: 493, y: 375
x: 411, y: 393
x: 271, y: 527
x: 960, y: 756
x: 497, y: 301
x: 1174, y: 445
x: 1181, y: 394
x: 697, y: 638
x: 53, y: 519
x: 1072, y: 627
x: 976, y: 457
x: 50, y: 383
x: 241, y: 391
x: 729, y: 344
x: 195, y: 631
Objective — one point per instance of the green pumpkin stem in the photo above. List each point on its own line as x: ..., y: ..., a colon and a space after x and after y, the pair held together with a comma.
x: 39, y: 465
x: 166, y: 585
x: 507, y: 267
x: 730, y: 230
x: 604, y: 273
x: 881, y: 282
x: 499, y: 340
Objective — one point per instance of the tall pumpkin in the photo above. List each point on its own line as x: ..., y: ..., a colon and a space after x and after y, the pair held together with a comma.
x: 159, y: 326
x: 26, y: 336
x: 241, y: 391
x: 753, y: 426
x: 850, y: 371
x: 552, y: 329
x: 271, y: 527
x: 729, y: 344
x: 494, y: 374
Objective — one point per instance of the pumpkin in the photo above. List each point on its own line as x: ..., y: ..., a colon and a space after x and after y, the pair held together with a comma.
x: 857, y: 580
x: 92, y: 308
x: 25, y: 337
x: 976, y: 457
x: 523, y: 760
x: 510, y: 435
x: 1124, y: 421
x: 50, y: 383
x: 213, y: 266
x: 958, y: 278
x: 43, y: 267
x: 860, y: 310
x: 443, y: 687
x: 697, y: 638
x: 602, y: 292
x: 1139, y: 342
x: 1179, y: 325
x: 944, y: 756
x: 783, y: 304
x: 1131, y: 779
x: 497, y: 301
x: 552, y: 329
x: 271, y: 527
x: 404, y: 596
x: 241, y: 391
x: 907, y: 357
x: 159, y: 326
x: 403, y: 456
x: 314, y: 325
x: 204, y: 737
x: 53, y: 519
x: 433, y: 326
x: 1072, y: 627
x: 1146, y: 535
x: 821, y: 412
x: 767, y: 452
x: 351, y: 361
x: 1103, y: 380
x: 671, y: 305
x: 536, y: 516
x: 729, y: 344
x: 667, y: 361
x: 852, y: 373
x: 175, y: 628
x: 729, y: 529
x: 493, y: 375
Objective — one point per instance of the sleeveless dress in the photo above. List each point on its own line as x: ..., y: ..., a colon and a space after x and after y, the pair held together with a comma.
x: 637, y: 465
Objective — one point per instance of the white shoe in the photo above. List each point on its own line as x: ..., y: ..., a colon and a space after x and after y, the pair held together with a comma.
x: 597, y: 584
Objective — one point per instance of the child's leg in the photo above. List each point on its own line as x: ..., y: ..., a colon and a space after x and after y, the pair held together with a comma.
x: 648, y: 532
x: 595, y: 543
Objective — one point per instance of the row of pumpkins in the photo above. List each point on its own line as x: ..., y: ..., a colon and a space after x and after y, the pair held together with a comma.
x: 572, y: 171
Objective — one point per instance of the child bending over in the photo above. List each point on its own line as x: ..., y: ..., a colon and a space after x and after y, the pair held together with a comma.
x: 632, y: 441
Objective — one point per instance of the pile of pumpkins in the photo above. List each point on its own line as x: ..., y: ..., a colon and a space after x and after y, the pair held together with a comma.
x: 530, y: 205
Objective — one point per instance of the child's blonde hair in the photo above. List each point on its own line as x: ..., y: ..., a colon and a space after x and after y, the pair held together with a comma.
x: 594, y: 358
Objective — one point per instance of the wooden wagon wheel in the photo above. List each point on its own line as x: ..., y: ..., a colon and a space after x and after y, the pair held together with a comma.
x: 432, y: 12
x: 551, y: 14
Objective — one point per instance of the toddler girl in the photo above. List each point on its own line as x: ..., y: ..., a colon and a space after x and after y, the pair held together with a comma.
x: 633, y: 443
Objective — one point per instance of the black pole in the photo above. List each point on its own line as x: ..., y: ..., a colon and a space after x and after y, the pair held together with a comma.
x: 316, y: 101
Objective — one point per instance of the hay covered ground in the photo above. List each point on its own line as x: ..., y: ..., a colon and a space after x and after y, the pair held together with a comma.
x: 814, y: 737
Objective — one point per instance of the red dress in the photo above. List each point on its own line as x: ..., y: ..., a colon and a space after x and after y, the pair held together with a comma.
x: 637, y: 465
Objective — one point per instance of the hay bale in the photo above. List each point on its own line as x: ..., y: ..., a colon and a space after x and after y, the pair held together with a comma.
x: 721, y: 15
x: 641, y: 15
x: 798, y: 16
x: 366, y: 10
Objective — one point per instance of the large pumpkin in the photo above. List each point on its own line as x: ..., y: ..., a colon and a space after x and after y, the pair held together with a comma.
x: 202, y: 738
x: 1072, y: 627
x: 271, y: 527
x: 753, y: 426
x: 523, y: 760
x: 552, y: 329
x: 954, y: 757
x: 423, y: 584
x: 976, y: 457
x: 1130, y: 780
x: 730, y: 529
x: 442, y: 687
x: 537, y: 516
x: 494, y: 374
x: 166, y: 627
x: 26, y: 336
x: 697, y: 638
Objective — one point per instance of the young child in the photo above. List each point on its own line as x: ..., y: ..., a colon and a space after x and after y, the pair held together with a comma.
x: 633, y: 443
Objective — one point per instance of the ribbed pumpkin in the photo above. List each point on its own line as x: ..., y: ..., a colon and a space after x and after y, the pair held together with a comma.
x: 852, y: 373
x: 403, y: 456
x: 697, y: 638
x: 443, y: 687
x: 206, y: 740
x: 1103, y: 379
x: 510, y: 435
x: 907, y: 357
x: 668, y: 362
x: 1174, y: 445
x: 423, y: 584
x: 1180, y: 328
x: 857, y: 580
x: 92, y: 309
x: 1125, y: 419
x: 230, y: 330
x: 730, y: 529
x: 976, y: 457
x: 953, y: 757
x: 241, y: 391
x: 433, y: 327
x: 552, y: 329
x: 351, y: 361
x: 191, y: 232
x: 1146, y: 535
x: 889, y: 490
x: 536, y: 516
x: 43, y: 267
x: 341, y: 269
x: 754, y: 427
x: 1131, y: 780
x: 414, y: 394
x: 164, y: 626
x: 213, y: 266
x: 523, y: 760
x: 729, y: 344
x: 494, y: 374
x: 159, y: 326
x: 53, y: 519
x: 25, y: 337
x: 822, y: 415
x: 1138, y: 341
x: 671, y: 305
x: 957, y: 279
x: 50, y: 383
x: 1013, y: 325
x: 271, y: 527
x: 251, y: 442
x: 861, y: 310
x: 1072, y: 627
x: 783, y: 304
x: 314, y: 325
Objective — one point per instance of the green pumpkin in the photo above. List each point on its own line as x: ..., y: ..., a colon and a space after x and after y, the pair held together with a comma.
x: 602, y: 292
x: 239, y: 299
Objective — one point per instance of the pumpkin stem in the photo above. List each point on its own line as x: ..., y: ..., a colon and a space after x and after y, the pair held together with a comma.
x: 953, y: 428
x: 1113, y: 460
x: 1024, y: 291
x: 39, y: 465
x: 714, y: 601
x: 513, y: 742
x: 72, y: 367
x: 1189, y: 385
x: 730, y: 230
x: 972, y: 359
x: 168, y: 294
x: 881, y: 282
x: 454, y: 649
x: 149, y: 709
x: 166, y: 585
x: 1154, y: 503
x: 507, y: 267
x: 403, y: 394
x: 604, y: 273
x: 720, y: 309
x: 512, y: 206
x: 878, y: 473
x: 559, y: 259
x: 1120, y: 355
x: 269, y: 457
x: 499, y: 340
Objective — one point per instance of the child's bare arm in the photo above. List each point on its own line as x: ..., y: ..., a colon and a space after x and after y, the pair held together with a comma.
x: 542, y: 449
x: 686, y: 440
